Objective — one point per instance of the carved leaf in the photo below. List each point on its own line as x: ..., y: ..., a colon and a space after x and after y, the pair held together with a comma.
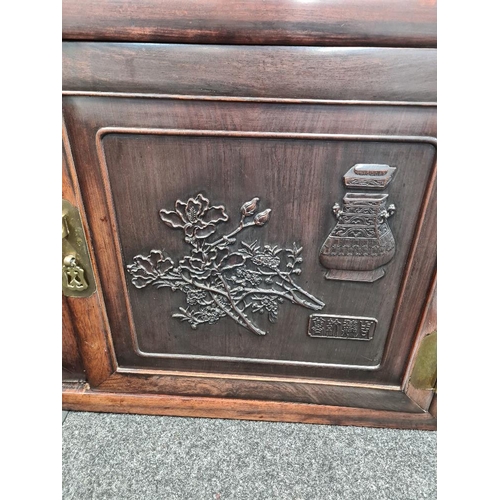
x: 215, y: 215
x: 205, y: 232
x: 172, y: 219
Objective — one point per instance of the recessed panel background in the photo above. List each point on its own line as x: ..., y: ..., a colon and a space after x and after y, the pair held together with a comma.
x: 299, y: 179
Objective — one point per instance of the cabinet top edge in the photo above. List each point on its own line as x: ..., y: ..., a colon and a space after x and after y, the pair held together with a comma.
x: 381, y: 23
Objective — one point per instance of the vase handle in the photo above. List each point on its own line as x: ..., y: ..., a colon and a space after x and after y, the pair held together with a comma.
x: 391, y: 210
x: 336, y: 211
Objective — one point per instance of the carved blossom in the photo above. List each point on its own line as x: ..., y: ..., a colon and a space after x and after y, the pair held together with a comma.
x: 195, y: 216
x: 145, y: 270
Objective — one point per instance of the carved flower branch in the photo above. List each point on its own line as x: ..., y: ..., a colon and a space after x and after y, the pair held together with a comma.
x: 218, y: 280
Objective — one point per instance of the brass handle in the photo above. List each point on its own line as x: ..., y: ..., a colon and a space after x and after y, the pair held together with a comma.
x: 77, y: 275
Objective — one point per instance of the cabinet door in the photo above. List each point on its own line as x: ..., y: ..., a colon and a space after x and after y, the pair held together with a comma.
x: 237, y: 257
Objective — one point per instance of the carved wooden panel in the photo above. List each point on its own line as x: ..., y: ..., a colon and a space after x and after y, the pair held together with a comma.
x: 219, y: 279
x: 167, y: 185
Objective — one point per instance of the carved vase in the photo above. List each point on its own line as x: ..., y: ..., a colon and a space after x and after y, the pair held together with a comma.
x: 362, y: 240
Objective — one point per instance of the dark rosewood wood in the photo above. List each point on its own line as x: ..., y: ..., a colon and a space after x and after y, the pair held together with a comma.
x: 286, y: 72
x: 82, y: 399
x: 71, y: 360
x: 84, y: 324
x: 410, y: 23
x: 85, y: 115
x: 299, y: 389
x: 148, y: 124
x: 423, y: 260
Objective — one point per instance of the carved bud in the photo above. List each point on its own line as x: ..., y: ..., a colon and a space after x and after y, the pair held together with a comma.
x: 249, y: 207
x: 261, y: 218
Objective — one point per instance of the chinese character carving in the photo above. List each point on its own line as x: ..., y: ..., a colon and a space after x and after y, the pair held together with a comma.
x: 341, y: 327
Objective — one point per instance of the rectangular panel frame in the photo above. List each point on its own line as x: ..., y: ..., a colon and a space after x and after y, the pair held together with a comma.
x: 119, y: 269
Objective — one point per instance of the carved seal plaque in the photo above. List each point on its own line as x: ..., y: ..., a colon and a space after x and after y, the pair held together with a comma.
x: 333, y: 326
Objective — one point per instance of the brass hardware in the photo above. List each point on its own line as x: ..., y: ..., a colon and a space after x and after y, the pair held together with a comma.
x: 65, y: 230
x: 424, y: 374
x: 74, y: 274
x: 77, y: 275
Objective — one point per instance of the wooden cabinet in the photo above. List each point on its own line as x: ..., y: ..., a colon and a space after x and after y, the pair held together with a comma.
x: 261, y: 220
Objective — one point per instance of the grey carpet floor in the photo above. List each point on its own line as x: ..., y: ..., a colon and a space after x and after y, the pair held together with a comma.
x: 122, y: 457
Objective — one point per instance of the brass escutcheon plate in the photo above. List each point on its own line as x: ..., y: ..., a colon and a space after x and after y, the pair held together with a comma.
x: 74, y: 244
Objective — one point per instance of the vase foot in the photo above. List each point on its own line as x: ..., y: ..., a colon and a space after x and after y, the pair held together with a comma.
x: 364, y: 276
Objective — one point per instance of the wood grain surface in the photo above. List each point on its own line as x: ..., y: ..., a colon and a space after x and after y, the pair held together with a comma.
x: 409, y: 23
x: 149, y: 123
x: 71, y: 360
x: 85, y: 116
x: 270, y: 388
x: 84, y: 328
x: 381, y: 74
x: 81, y: 399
